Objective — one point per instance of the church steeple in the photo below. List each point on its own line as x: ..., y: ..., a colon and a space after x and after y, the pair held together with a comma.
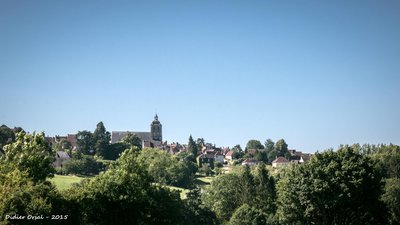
x: 156, y: 129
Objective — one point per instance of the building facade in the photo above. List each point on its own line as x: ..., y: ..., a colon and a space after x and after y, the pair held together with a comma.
x: 149, y: 139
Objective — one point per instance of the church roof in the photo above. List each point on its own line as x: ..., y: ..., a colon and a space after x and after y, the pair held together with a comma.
x: 117, y: 136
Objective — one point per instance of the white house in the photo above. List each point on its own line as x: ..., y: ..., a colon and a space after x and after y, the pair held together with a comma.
x: 279, y: 162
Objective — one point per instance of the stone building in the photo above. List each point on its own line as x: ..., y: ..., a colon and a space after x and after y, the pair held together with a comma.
x: 149, y: 139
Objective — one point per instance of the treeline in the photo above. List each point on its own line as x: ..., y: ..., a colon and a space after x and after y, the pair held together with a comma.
x: 263, y: 153
x: 124, y: 194
x: 93, y: 151
x: 351, y: 185
x: 98, y: 144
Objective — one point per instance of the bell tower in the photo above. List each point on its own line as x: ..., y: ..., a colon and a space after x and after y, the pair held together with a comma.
x: 156, y: 129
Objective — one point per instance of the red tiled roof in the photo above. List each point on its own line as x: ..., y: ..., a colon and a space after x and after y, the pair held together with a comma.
x: 230, y: 153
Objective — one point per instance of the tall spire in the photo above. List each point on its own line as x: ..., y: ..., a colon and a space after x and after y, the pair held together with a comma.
x: 156, y: 117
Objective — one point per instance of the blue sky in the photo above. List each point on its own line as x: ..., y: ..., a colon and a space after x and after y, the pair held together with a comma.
x: 317, y: 74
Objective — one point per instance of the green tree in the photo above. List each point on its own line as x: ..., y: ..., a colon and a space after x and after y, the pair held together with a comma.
x: 247, y: 185
x: 331, y: 185
x: 237, y: 155
x: 237, y: 148
x: 85, y: 142
x: 247, y: 215
x: 200, y: 143
x: 254, y: 144
x: 265, y: 193
x: 86, y: 165
x: 101, y: 139
x: 30, y: 153
x: 124, y: 194
x: 115, y: 150
x: 131, y: 140
x: 196, y: 212
x: 269, y: 145
x: 165, y: 168
x: 192, y: 146
x: 63, y: 145
x: 20, y: 195
x: 6, y: 136
x: 281, y: 147
x: 261, y: 156
x: 391, y: 197
x: 223, y: 196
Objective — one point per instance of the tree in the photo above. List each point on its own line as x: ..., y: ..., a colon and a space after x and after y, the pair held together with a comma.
x: 6, y: 136
x: 254, y: 144
x: 85, y: 142
x: 237, y: 155
x: 124, y: 194
x: 165, y: 168
x: 20, y: 195
x: 237, y: 148
x: 86, y: 165
x: 265, y: 198
x: 63, y: 145
x: 115, y: 150
x: 200, y: 143
x: 131, y: 140
x: 192, y: 147
x: 30, y: 153
x: 391, y: 197
x: 223, y: 196
x: 269, y: 145
x: 331, y: 185
x: 247, y: 215
x: 196, y: 212
x: 247, y: 185
x: 261, y: 156
x: 281, y: 147
x: 101, y: 139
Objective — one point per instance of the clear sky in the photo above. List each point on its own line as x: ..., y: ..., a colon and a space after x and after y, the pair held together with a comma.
x: 316, y: 73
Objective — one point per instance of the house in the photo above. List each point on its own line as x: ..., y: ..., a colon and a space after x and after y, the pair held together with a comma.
x: 219, y: 157
x: 61, y: 159
x: 229, y: 155
x: 280, y: 162
x: 249, y: 162
x: 304, y: 158
x: 299, y: 157
x: 206, y: 159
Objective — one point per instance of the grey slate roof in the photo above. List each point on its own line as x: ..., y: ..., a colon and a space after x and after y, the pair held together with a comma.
x: 62, y: 155
x: 117, y: 136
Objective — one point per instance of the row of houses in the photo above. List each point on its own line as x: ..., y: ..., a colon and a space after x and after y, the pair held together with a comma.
x: 212, y: 156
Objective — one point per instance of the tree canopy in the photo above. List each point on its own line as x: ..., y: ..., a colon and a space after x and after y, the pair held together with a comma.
x: 331, y: 185
x: 192, y: 146
x: 30, y: 153
x: 254, y: 144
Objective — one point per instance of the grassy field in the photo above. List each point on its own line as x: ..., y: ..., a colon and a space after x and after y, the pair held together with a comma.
x: 65, y: 182
x: 204, y: 180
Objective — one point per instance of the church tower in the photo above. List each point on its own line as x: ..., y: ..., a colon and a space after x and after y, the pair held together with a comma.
x: 156, y: 129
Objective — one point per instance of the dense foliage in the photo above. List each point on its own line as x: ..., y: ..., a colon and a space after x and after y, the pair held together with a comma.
x: 167, y: 169
x: 85, y: 165
x: 30, y: 153
x: 228, y: 192
x: 333, y: 188
x: 23, y: 172
x: 353, y: 185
